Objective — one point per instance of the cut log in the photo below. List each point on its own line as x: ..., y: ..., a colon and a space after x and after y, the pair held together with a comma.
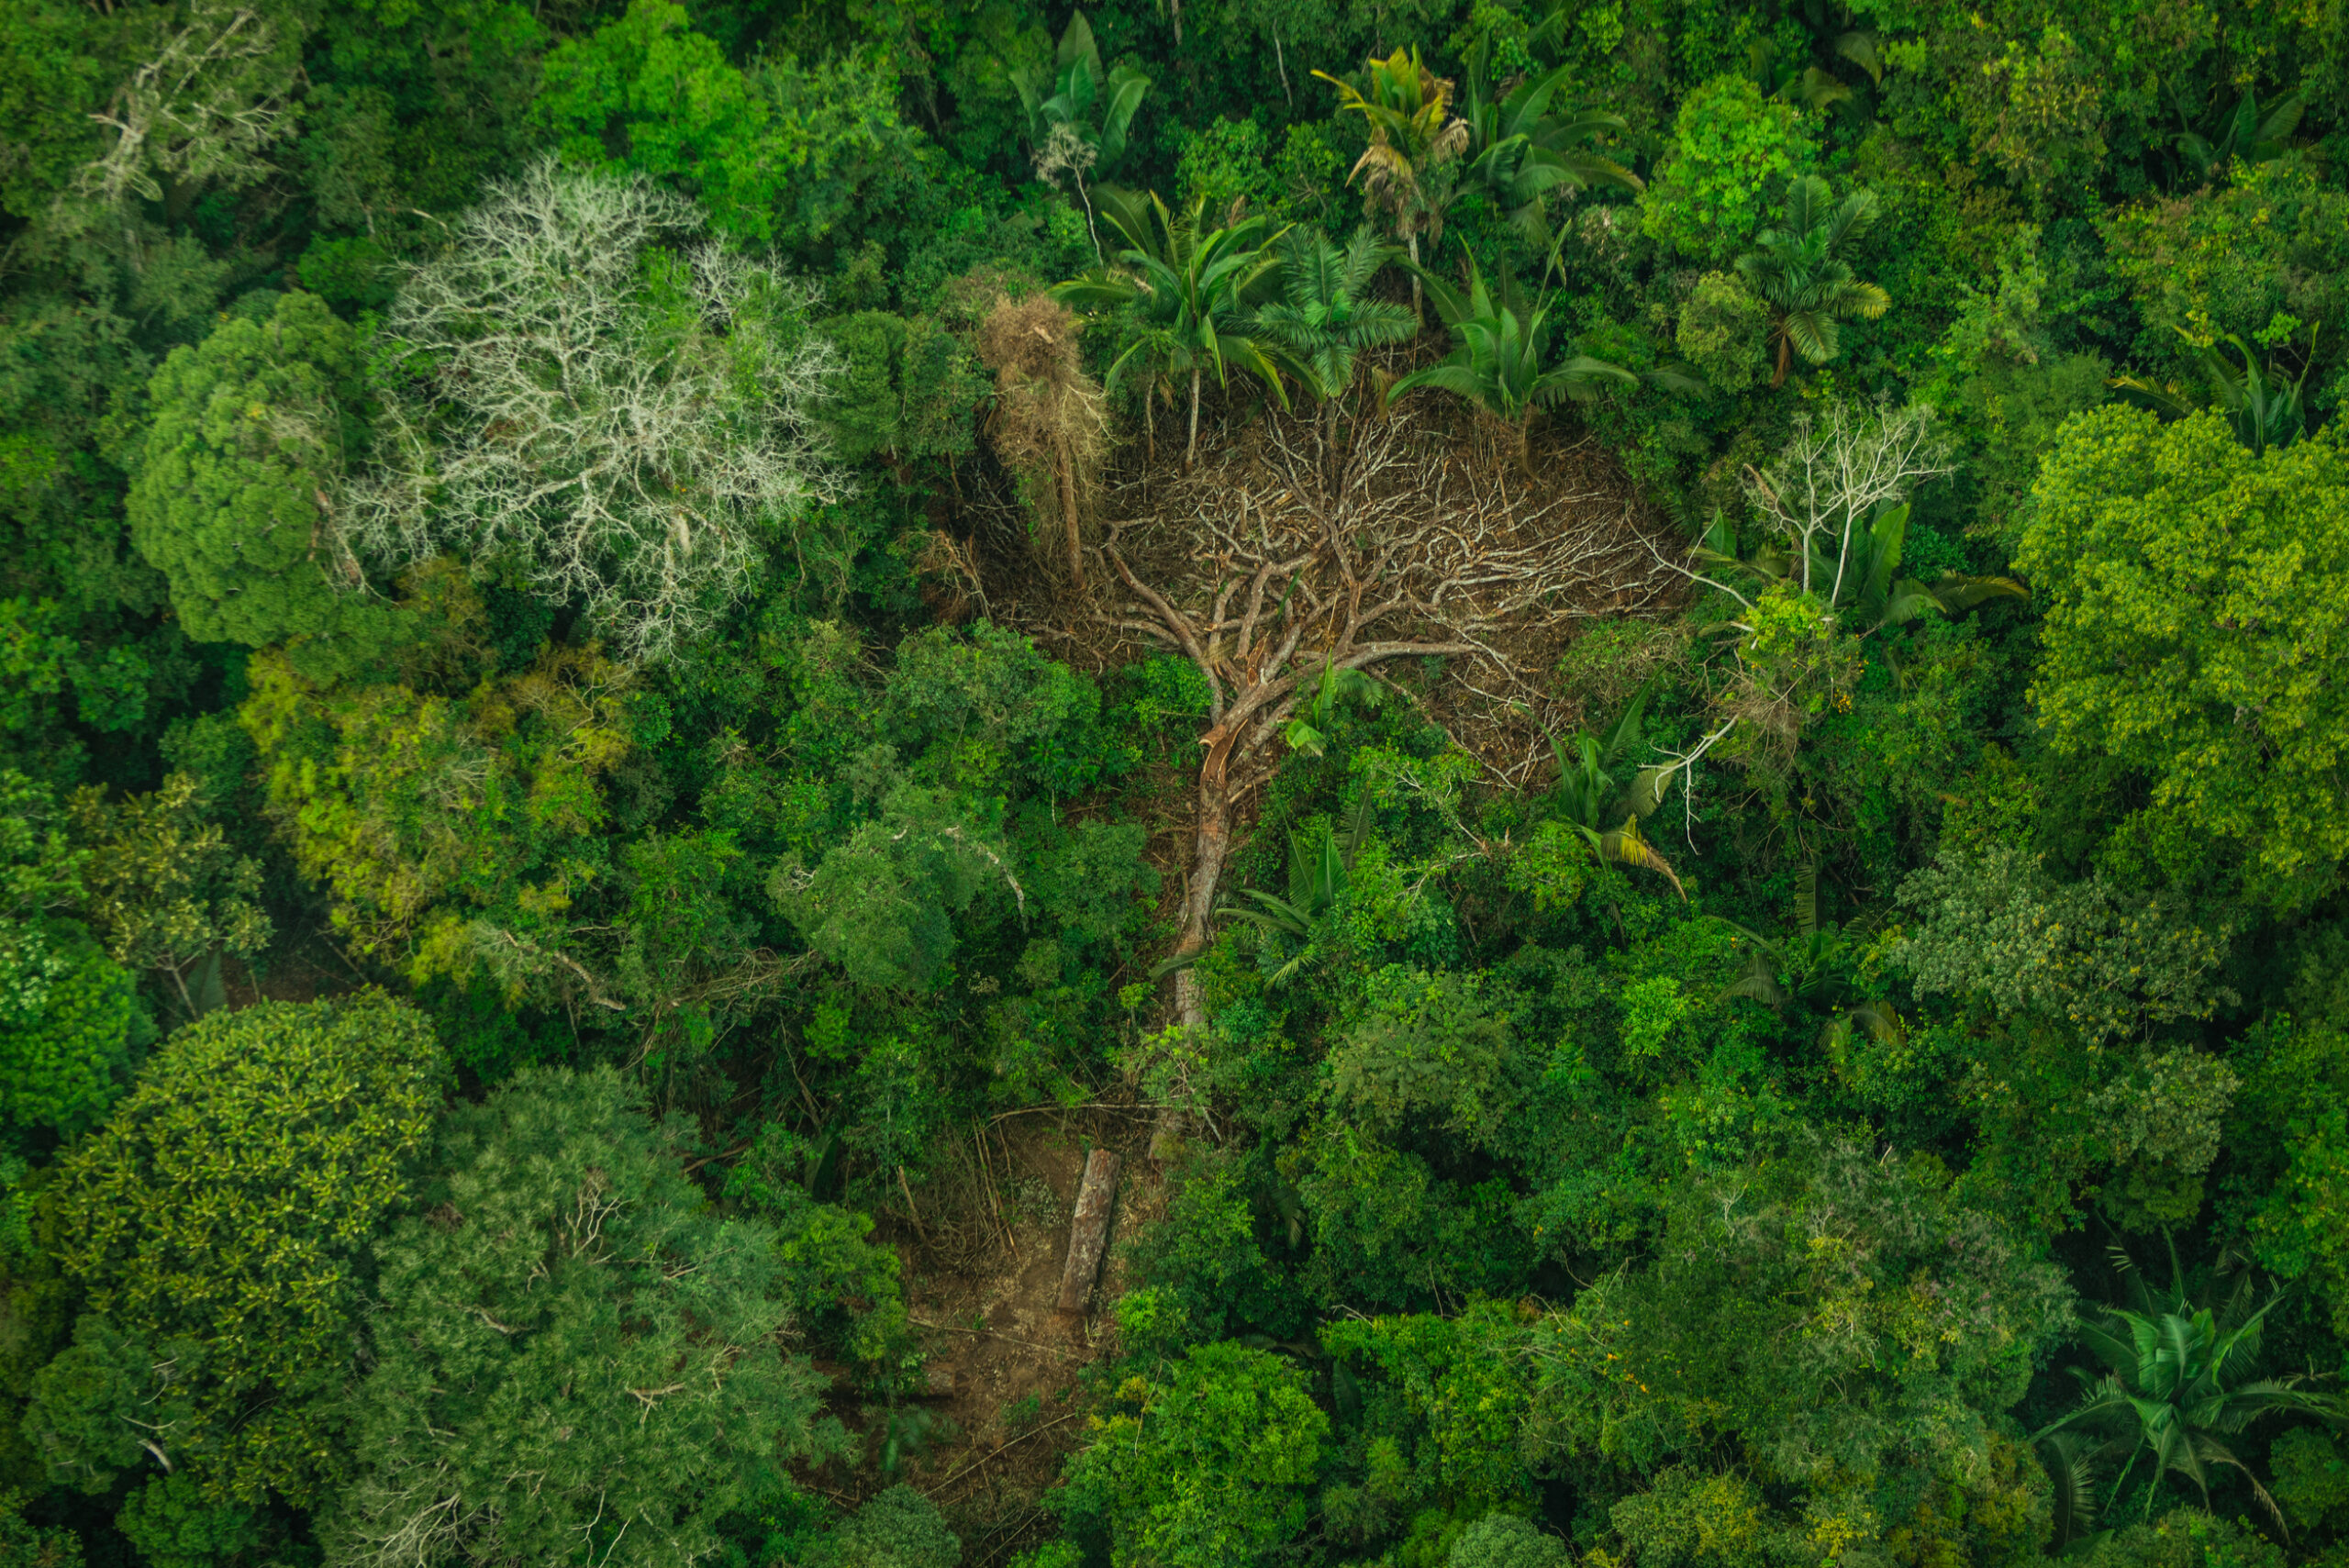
x: 1088, y: 1233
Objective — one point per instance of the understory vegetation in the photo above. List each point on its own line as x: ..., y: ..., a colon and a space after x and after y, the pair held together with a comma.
x: 1647, y: 701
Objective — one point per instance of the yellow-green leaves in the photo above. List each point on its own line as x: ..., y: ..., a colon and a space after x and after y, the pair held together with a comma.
x: 222, y: 1210
x: 1209, y: 1466
x: 2196, y: 629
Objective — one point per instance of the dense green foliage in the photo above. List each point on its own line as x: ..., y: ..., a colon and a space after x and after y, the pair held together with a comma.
x: 560, y: 1266
x: 651, y: 651
x: 218, y: 1221
x: 229, y: 502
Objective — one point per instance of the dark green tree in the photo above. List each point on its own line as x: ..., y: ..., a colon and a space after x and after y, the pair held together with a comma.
x: 897, y: 1529
x: 172, y: 1524
x: 234, y: 498
x: 908, y: 391
x: 576, y: 1354
x: 1508, y: 1541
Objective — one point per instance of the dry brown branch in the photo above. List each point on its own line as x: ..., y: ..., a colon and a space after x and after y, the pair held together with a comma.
x: 982, y: 1460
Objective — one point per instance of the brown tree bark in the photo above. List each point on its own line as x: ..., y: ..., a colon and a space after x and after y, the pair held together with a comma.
x: 1066, y: 464
x: 1088, y: 1231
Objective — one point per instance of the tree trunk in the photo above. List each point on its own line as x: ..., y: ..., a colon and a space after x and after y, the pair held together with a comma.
x: 1525, y: 442
x: 1150, y: 422
x: 1089, y: 228
x: 1416, y: 313
x: 1785, y: 362
x: 1192, y: 450
x: 1068, y: 511
x: 1088, y: 1231
x: 1210, y: 843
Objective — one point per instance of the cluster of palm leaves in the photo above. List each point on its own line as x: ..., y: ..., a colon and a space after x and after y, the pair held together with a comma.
x: 2181, y: 1380
x: 1309, y: 728
x: 1800, y: 271
x: 2265, y: 407
x: 1502, y: 358
x: 2209, y: 138
x: 1192, y: 302
x: 1865, y: 588
x: 1414, y: 139
x: 1078, y: 113
x: 1796, y: 79
x: 1524, y: 148
x: 1320, y: 867
x: 1185, y: 295
x: 1603, y: 803
x: 1196, y: 295
x: 1813, y: 968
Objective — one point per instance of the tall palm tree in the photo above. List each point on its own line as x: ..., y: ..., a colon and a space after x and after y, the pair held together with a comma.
x: 1414, y: 138
x: 2183, y: 1379
x: 1325, y: 318
x: 1189, y: 293
x: 1496, y: 361
x: 1800, y: 270
x: 1521, y: 148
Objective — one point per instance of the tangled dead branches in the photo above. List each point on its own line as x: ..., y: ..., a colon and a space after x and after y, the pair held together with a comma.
x: 1419, y: 539
x: 1260, y: 573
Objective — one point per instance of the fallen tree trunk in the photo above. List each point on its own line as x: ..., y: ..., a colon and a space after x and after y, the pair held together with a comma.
x: 1088, y: 1232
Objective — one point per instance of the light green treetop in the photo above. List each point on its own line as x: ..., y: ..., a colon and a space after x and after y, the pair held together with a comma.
x: 2195, y: 626
x: 223, y: 1211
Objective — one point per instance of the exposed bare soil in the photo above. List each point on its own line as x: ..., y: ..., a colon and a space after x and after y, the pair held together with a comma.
x: 983, y: 1247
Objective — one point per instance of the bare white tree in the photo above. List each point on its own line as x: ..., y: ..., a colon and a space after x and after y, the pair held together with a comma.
x: 1066, y: 153
x: 579, y: 390
x: 211, y: 97
x: 1834, y: 471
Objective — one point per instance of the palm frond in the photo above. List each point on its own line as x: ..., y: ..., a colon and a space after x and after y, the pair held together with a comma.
x: 1957, y: 593
x: 1627, y: 846
x: 2072, y: 1465
x: 1814, y: 335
